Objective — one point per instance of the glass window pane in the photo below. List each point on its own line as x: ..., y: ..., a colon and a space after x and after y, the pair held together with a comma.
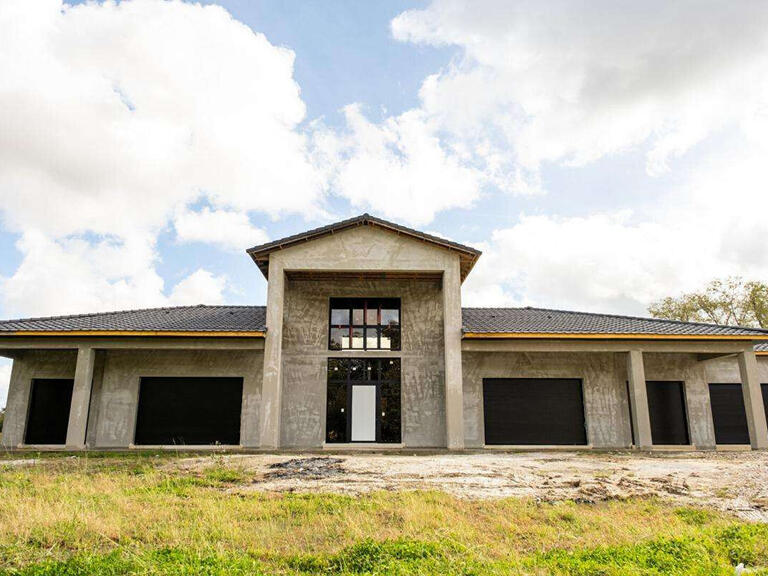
x: 386, y: 342
x: 357, y: 370
x: 357, y: 316
x: 372, y: 315
x: 357, y: 339
x: 337, y: 369
x: 390, y: 412
x: 339, y: 316
x: 390, y: 369
x: 371, y: 338
x: 336, y: 416
x: 339, y: 339
x: 371, y: 370
x: 392, y: 334
x: 390, y: 317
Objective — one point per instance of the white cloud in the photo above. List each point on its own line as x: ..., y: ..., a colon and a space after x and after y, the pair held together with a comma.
x: 398, y: 168
x: 5, y: 380
x: 229, y: 229
x: 200, y: 287
x: 117, y: 115
x: 711, y: 226
x: 62, y: 276
x: 570, y: 83
x: 560, y: 84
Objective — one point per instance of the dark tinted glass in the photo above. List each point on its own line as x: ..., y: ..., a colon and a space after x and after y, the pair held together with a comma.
x: 336, y: 415
x: 390, y: 369
x: 390, y: 411
x: 357, y: 370
x: 337, y: 369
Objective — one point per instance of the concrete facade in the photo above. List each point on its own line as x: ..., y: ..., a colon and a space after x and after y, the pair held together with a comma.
x: 111, y: 418
x: 303, y: 311
x: 285, y: 373
x: 305, y: 357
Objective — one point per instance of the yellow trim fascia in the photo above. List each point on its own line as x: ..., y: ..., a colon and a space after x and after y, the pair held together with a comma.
x: 135, y: 333
x: 599, y: 336
x: 761, y: 353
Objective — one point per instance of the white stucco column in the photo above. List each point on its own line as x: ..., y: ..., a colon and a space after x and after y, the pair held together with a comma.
x: 638, y: 399
x: 753, y: 400
x: 81, y: 398
x: 271, y: 387
x: 454, y: 390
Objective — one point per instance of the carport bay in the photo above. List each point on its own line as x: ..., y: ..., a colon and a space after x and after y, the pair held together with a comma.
x: 607, y: 377
x: 219, y: 380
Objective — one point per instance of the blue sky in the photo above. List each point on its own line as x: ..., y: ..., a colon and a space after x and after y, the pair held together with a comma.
x: 601, y: 155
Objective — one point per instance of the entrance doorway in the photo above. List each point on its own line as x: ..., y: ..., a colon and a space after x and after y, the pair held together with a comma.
x: 363, y: 401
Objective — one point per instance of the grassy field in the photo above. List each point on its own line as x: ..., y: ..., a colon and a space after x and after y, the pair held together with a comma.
x: 139, y: 514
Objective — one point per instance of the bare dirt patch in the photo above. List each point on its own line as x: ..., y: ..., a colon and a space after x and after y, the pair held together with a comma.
x: 733, y: 482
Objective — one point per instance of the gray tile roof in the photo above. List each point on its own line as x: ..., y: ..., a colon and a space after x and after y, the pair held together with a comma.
x: 477, y: 320
x: 544, y: 321
x: 762, y: 347
x: 177, y: 319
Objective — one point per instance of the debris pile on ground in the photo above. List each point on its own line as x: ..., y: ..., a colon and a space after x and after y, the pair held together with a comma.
x: 314, y: 468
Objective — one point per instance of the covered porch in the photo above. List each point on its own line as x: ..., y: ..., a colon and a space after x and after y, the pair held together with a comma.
x: 611, y: 393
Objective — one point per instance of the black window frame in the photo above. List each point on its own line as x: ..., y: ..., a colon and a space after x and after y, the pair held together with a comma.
x: 366, y: 304
x: 364, y: 371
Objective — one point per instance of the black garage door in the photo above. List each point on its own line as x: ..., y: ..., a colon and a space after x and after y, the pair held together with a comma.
x: 189, y: 411
x: 533, y: 411
x: 728, y: 414
x: 666, y: 407
x: 48, y: 417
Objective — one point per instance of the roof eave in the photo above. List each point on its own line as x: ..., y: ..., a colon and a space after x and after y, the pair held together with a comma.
x: 607, y: 336
x: 136, y: 333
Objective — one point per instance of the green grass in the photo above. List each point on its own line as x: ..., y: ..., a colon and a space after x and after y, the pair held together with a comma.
x: 148, y: 514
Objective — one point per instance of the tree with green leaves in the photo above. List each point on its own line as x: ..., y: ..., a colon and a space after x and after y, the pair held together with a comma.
x: 731, y: 301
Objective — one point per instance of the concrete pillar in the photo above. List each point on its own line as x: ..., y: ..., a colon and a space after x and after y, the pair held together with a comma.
x: 698, y: 406
x: 753, y: 400
x: 638, y: 399
x: 271, y: 387
x: 454, y: 390
x: 81, y: 398
x: 250, y: 414
x: 16, y: 407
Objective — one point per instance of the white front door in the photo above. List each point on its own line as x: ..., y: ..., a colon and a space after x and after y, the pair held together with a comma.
x: 363, y: 413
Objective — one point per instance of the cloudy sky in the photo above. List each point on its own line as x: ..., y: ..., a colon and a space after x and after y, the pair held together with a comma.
x: 601, y: 154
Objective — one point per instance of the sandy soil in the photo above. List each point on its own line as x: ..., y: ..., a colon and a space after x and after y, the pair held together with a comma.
x: 736, y: 482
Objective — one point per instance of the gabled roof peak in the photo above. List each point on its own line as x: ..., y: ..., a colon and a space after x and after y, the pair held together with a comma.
x: 260, y: 254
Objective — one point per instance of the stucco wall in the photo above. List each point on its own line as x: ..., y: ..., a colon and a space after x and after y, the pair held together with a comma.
x: 687, y: 368
x: 114, y: 398
x: 26, y: 366
x: 305, y: 357
x: 117, y: 399
x: 605, y: 399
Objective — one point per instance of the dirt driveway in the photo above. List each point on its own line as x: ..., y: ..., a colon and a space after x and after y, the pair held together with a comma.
x: 736, y: 482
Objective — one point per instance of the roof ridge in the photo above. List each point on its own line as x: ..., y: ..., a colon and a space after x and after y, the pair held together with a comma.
x: 625, y: 316
x: 362, y: 219
x: 113, y: 312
